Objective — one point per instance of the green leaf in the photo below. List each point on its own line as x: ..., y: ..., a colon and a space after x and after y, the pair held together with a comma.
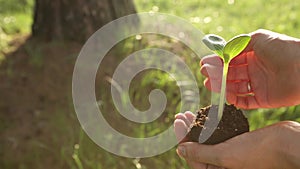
x: 214, y: 43
x: 226, y: 51
x: 235, y: 46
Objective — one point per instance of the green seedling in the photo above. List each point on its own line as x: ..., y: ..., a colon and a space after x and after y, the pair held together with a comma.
x: 227, y: 51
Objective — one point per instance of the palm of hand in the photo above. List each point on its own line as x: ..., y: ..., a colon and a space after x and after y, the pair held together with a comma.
x: 252, y: 82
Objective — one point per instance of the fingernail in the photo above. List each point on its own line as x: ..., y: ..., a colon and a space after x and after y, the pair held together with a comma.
x: 181, y: 151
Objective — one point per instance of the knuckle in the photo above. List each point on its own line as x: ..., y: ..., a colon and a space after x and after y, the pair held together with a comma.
x: 260, y: 32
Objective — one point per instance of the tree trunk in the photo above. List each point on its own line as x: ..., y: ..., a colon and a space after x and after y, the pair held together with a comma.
x: 76, y: 20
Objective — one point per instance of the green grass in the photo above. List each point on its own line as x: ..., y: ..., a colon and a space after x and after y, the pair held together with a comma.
x: 230, y: 19
x: 75, y: 150
x: 15, y: 19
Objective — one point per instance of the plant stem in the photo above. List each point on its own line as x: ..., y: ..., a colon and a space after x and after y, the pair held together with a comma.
x: 223, y: 90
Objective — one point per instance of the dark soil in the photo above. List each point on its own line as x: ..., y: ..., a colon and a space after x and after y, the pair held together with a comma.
x: 233, y: 123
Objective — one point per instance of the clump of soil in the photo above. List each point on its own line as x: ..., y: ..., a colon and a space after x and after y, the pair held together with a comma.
x: 233, y: 123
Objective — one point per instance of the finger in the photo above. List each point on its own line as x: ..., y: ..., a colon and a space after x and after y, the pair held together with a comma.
x: 212, y: 84
x: 248, y: 102
x: 206, y: 83
x: 231, y: 98
x: 238, y: 73
x: 190, y: 116
x: 182, y: 116
x: 211, y: 59
x: 235, y: 73
x: 197, y: 165
x: 233, y: 88
x: 240, y: 97
x: 242, y: 102
x: 200, y: 153
x: 240, y: 94
x: 241, y: 59
x: 211, y: 71
x: 239, y: 88
x: 214, y: 167
x: 180, y: 129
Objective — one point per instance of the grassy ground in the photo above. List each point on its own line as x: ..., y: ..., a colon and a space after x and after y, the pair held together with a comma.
x: 38, y: 126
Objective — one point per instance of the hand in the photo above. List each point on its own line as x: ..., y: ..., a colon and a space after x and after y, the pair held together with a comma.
x: 272, y: 147
x: 181, y: 125
x: 269, y: 68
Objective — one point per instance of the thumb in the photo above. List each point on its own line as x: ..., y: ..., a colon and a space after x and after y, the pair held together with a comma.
x: 209, y: 154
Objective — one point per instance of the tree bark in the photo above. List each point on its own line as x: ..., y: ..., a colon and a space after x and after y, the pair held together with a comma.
x: 75, y: 20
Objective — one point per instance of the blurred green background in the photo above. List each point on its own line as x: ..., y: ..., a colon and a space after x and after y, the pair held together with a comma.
x: 62, y: 143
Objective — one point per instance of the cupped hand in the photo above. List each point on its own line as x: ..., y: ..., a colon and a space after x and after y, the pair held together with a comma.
x: 272, y: 147
x: 265, y: 75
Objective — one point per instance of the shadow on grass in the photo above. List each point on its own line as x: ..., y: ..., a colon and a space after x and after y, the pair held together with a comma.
x: 38, y: 125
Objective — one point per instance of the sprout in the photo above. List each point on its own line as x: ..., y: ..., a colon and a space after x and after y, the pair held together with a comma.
x: 227, y: 51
